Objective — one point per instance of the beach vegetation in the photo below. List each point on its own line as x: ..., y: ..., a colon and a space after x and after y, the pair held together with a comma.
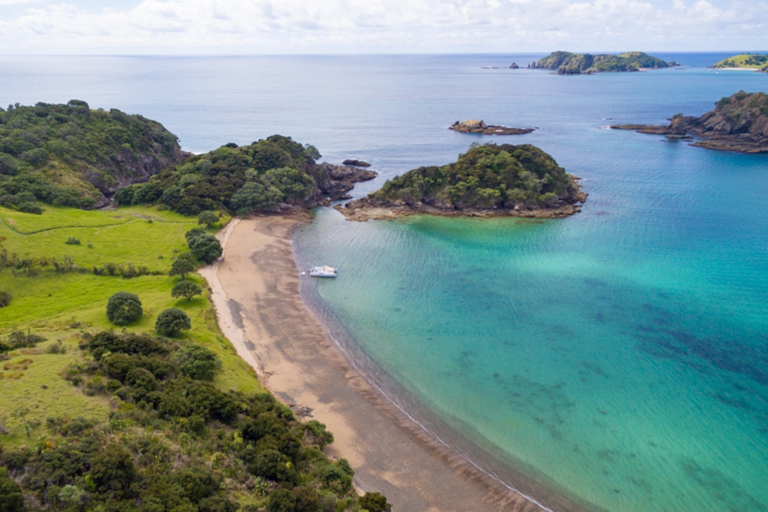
x: 124, y: 308
x: 204, y: 247
x: 186, y: 289
x: 172, y: 321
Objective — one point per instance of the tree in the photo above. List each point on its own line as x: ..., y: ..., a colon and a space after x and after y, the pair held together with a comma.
x: 205, y: 247
x: 11, y: 499
x: 5, y: 298
x: 196, y: 362
x: 186, y: 289
x: 181, y: 267
x: 207, y: 217
x: 124, y: 308
x: 172, y: 321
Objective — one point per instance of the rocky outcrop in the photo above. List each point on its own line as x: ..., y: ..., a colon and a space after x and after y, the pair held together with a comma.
x: 342, y: 179
x: 738, y: 123
x: 514, y: 66
x: 475, y: 126
x: 523, y: 182
x: 567, y: 63
x: 356, y: 163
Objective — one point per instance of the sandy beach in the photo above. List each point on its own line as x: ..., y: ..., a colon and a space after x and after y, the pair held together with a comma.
x: 255, y: 292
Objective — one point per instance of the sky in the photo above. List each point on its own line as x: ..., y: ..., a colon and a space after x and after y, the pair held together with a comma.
x: 248, y: 27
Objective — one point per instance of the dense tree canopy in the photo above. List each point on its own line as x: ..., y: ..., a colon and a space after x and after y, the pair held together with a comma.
x: 254, y: 178
x: 72, y: 155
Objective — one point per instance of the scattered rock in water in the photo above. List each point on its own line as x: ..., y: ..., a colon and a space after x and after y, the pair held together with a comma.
x: 479, y: 126
x: 356, y: 163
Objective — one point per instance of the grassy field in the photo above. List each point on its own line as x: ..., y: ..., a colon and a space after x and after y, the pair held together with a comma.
x: 61, y: 307
x: 744, y: 60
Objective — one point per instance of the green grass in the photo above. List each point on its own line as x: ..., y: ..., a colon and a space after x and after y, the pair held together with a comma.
x: 61, y: 306
x: 744, y: 60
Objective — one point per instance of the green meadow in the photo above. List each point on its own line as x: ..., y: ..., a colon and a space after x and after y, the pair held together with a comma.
x: 63, y: 306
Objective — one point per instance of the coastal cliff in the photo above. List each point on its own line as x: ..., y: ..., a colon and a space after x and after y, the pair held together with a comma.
x: 738, y: 123
x: 486, y: 181
x: 567, y: 63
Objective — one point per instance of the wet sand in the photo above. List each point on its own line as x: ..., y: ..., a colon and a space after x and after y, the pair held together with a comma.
x: 256, y: 295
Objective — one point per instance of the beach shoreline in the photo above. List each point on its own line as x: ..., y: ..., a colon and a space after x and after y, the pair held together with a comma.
x: 255, y: 291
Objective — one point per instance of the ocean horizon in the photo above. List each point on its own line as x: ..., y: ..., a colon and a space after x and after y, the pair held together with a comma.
x: 618, y: 356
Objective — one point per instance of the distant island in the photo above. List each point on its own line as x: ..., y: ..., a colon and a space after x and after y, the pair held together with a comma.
x: 486, y: 181
x: 567, y: 63
x: 738, y: 123
x: 744, y: 61
x: 475, y: 126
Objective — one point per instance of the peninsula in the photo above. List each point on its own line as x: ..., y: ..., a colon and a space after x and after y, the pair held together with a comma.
x: 738, y: 123
x: 486, y: 181
x: 751, y: 61
x: 475, y: 126
x: 567, y: 63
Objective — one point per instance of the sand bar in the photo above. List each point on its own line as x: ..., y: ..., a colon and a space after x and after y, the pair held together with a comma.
x: 256, y: 295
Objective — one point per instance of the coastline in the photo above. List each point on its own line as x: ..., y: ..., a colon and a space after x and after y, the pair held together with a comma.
x: 255, y: 290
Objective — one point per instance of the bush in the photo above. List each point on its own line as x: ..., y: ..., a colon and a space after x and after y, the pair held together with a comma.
x: 30, y: 207
x: 171, y: 322
x: 375, y: 502
x: 72, y: 241
x: 11, y: 499
x: 207, y: 217
x: 281, y: 500
x: 5, y: 299
x: 124, y: 308
x: 196, y: 362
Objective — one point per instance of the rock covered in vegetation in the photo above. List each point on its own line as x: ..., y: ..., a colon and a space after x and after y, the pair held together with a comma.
x: 75, y: 156
x: 479, y: 126
x: 268, y: 176
x: 738, y: 123
x: 744, y: 61
x: 355, y: 163
x: 567, y: 63
x: 488, y: 180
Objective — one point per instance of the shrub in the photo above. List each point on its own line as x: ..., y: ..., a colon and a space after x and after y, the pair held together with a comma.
x: 30, y: 207
x: 281, y: 500
x: 172, y: 321
x: 375, y: 502
x: 11, y: 499
x: 196, y: 362
x: 72, y: 241
x: 186, y: 289
x: 5, y: 299
x: 124, y: 308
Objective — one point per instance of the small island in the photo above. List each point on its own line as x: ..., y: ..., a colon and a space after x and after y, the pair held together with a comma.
x: 486, y: 181
x: 475, y: 126
x: 751, y: 61
x: 567, y: 63
x: 738, y: 123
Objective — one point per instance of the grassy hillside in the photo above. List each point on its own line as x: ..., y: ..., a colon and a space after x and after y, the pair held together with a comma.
x: 74, y: 156
x: 744, y: 60
x: 99, y: 417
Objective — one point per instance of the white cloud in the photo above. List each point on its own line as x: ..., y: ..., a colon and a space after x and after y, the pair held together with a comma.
x: 277, y: 26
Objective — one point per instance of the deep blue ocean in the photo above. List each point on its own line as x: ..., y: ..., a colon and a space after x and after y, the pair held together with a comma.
x: 619, y: 356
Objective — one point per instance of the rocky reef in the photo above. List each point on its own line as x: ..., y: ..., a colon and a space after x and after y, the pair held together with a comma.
x: 475, y: 126
x: 342, y: 179
x: 738, y: 123
x: 486, y: 181
x: 567, y: 63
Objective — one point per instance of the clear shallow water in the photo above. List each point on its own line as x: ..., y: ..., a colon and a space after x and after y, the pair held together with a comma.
x: 620, y: 354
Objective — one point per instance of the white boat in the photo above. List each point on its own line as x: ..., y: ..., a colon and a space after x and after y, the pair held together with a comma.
x: 324, y: 271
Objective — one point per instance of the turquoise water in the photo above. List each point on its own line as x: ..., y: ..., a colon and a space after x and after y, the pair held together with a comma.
x: 619, y: 356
